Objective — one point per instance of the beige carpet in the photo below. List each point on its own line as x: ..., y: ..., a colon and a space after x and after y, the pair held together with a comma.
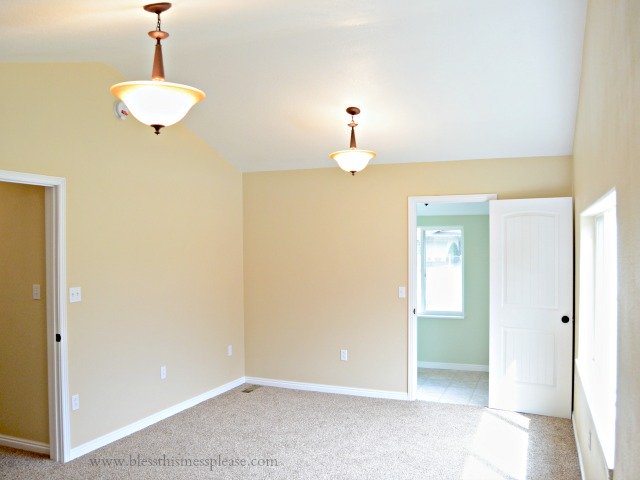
x: 323, y: 436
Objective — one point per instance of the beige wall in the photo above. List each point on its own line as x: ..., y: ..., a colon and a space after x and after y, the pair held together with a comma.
x: 325, y: 253
x: 154, y: 238
x: 607, y: 153
x: 23, y: 320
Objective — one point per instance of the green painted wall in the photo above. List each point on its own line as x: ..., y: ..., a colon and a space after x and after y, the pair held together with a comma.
x: 466, y: 340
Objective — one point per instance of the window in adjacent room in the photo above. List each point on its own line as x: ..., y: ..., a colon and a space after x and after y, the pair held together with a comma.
x: 441, y: 271
x: 598, y: 316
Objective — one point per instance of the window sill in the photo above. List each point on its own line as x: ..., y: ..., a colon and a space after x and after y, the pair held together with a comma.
x: 428, y: 315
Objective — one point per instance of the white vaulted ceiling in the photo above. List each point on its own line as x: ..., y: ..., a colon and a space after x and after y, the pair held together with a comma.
x: 435, y: 79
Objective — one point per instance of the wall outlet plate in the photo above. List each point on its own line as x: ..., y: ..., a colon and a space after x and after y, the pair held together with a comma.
x: 344, y: 354
x: 75, y: 402
x: 163, y: 372
x: 75, y: 294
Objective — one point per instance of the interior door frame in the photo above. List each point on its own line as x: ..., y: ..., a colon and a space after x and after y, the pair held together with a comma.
x: 412, y: 318
x: 57, y: 359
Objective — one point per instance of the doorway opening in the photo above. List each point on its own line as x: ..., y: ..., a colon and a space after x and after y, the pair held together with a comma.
x: 58, y: 445
x: 449, y: 299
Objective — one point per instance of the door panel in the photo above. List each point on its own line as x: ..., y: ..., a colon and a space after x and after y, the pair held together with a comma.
x: 531, y: 290
x: 530, y: 267
x: 529, y: 356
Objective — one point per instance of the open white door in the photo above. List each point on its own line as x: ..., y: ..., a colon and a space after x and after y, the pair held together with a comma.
x: 531, y: 327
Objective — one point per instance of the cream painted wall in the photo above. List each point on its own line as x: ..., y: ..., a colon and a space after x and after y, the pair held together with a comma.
x: 154, y: 238
x: 325, y: 253
x: 606, y: 155
x: 24, y: 410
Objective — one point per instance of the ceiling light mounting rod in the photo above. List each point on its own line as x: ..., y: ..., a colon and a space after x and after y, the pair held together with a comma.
x: 353, y: 111
x: 157, y: 73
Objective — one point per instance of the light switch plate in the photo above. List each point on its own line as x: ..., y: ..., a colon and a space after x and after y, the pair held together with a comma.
x: 75, y: 294
x: 229, y: 350
x: 75, y: 402
x: 402, y: 292
x: 35, y: 291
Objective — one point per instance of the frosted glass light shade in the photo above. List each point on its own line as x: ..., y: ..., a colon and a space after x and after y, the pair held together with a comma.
x: 352, y: 159
x: 157, y: 102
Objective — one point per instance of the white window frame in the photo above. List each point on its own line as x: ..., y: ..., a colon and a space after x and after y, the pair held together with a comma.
x: 596, y: 367
x: 423, y: 312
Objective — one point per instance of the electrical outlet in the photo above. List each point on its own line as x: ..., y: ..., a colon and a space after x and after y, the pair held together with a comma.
x: 35, y: 290
x: 344, y: 355
x: 75, y: 295
x: 229, y: 350
x: 163, y: 372
x: 75, y: 402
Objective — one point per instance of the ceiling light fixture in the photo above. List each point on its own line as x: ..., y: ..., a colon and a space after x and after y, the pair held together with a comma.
x: 353, y: 159
x: 157, y: 103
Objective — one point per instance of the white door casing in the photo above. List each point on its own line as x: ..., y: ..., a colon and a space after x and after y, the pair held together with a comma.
x: 412, y: 340
x: 531, y: 271
x: 57, y: 360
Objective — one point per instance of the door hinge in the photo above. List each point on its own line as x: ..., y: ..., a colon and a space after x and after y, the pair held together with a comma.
x: 58, y: 337
x: 414, y: 311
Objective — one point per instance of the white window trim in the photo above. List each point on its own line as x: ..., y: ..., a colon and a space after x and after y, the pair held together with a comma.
x: 604, y: 421
x: 453, y: 314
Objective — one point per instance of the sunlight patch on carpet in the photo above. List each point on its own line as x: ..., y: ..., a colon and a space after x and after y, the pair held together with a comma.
x: 500, y: 447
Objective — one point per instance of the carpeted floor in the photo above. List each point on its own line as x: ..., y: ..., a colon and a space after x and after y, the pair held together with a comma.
x: 323, y: 436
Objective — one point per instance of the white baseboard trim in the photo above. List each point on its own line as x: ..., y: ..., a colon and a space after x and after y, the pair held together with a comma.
x: 575, y: 436
x: 317, y: 387
x: 151, y: 419
x: 471, y: 367
x: 24, y: 444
